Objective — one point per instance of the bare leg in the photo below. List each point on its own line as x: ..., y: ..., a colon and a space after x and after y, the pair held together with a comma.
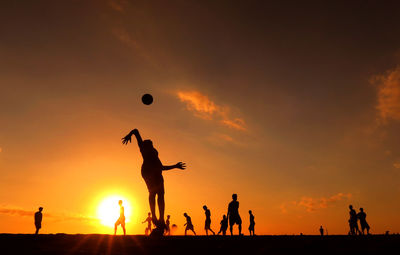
x: 206, y: 232
x: 240, y: 229
x: 37, y: 231
x: 123, y: 228
x: 161, y: 206
x: 115, y: 229
x: 185, y: 231
x: 194, y: 232
x: 212, y: 231
x: 230, y: 228
x: 152, y: 202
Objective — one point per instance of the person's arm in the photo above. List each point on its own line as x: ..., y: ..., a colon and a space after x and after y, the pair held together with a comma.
x: 128, y: 137
x: 179, y: 165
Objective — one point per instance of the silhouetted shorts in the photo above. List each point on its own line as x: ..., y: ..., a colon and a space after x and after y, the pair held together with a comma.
x: 189, y: 227
x: 208, y: 224
x: 155, y: 183
x: 120, y: 221
x: 38, y: 225
x: 235, y: 220
x: 251, y: 227
x: 364, y: 225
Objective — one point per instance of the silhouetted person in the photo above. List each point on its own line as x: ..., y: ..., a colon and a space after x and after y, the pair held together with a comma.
x: 188, y: 224
x: 233, y: 214
x: 148, y: 220
x: 121, y: 219
x: 152, y: 174
x: 207, y: 225
x: 321, y: 230
x: 224, y: 225
x: 38, y: 220
x: 167, y: 228
x: 252, y: 223
x: 363, y: 222
x: 353, y: 221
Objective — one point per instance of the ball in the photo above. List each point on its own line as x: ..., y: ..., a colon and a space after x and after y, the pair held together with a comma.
x: 147, y: 99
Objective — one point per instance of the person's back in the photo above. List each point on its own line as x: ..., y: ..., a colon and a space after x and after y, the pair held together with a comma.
x: 362, y: 216
x: 38, y: 220
x: 208, y: 214
x: 188, y: 221
x: 151, y: 162
x: 233, y: 208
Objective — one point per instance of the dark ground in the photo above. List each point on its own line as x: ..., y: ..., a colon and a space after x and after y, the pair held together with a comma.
x: 106, y: 244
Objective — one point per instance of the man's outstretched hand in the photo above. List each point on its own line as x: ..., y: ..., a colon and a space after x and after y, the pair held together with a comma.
x: 181, y: 165
x: 127, y: 139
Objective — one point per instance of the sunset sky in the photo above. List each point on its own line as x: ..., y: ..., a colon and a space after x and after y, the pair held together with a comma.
x: 293, y: 105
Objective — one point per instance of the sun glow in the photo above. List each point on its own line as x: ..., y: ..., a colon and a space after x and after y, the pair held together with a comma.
x: 108, y: 210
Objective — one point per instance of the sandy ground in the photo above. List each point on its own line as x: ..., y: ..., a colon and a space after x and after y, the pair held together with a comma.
x: 107, y: 244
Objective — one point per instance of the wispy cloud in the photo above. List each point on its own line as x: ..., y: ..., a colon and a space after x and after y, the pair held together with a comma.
x: 118, y: 5
x: 313, y: 204
x: 396, y: 165
x: 388, y: 96
x: 203, y: 107
x: 14, y: 211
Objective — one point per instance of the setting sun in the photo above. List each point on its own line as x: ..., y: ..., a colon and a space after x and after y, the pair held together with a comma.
x: 108, y: 210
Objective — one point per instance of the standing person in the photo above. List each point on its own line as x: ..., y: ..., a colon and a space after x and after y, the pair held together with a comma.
x: 147, y: 231
x: 38, y: 220
x: 353, y: 221
x: 152, y: 174
x: 207, y: 225
x: 121, y: 219
x: 252, y: 223
x: 233, y: 214
x: 363, y: 222
x: 224, y: 225
x: 167, y: 228
x: 321, y: 230
x: 188, y: 224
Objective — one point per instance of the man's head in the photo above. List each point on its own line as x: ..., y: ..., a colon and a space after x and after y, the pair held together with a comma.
x: 224, y: 216
x: 204, y: 207
x: 120, y: 202
x: 168, y: 216
x: 361, y: 209
x: 148, y: 144
x: 185, y: 214
x: 234, y: 197
x: 149, y: 214
x: 250, y: 212
x: 40, y: 209
x: 350, y: 207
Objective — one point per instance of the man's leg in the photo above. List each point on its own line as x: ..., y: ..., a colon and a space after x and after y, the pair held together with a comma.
x: 230, y: 228
x: 240, y: 228
x: 152, y: 202
x: 123, y: 228
x: 115, y: 228
x: 161, y: 206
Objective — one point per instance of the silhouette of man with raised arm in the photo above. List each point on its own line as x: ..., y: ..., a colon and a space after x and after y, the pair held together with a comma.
x: 233, y: 214
x: 121, y: 219
x: 188, y: 224
x: 353, y: 221
x: 363, y: 221
x: 252, y: 223
x: 224, y: 225
x: 167, y: 228
x: 207, y: 225
x: 152, y: 174
x: 38, y: 220
x: 148, y: 220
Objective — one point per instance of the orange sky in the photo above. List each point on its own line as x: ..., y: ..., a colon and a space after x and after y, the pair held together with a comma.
x: 295, y: 111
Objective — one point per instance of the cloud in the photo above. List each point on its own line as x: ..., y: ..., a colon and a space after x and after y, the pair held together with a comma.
x: 118, y: 5
x: 397, y: 165
x: 388, y: 96
x: 1, y: 149
x: 313, y: 204
x: 203, y: 107
x: 12, y: 211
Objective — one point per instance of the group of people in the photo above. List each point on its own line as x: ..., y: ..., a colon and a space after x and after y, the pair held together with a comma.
x: 353, y: 222
x: 232, y: 218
